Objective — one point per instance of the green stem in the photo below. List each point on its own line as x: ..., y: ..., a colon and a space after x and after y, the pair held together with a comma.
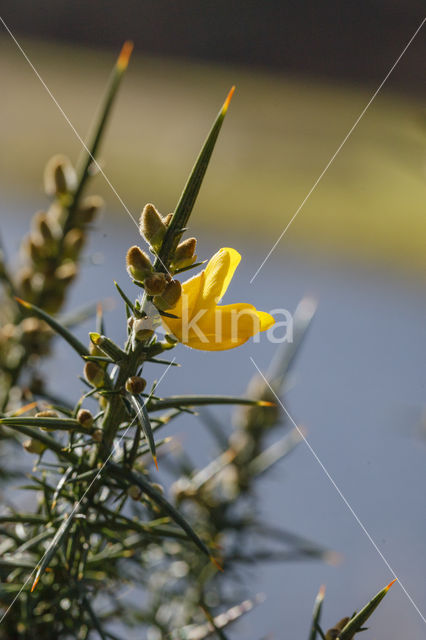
x: 95, y: 139
x: 116, y: 412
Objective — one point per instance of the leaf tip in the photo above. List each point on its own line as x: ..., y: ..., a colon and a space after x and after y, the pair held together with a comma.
x: 35, y: 583
x: 216, y: 563
x: 228, y: 100
x: 23, y: 303
x: 24, y: 409
x: 321, y: 592
x: 386, y: 589
x: 124, y: 57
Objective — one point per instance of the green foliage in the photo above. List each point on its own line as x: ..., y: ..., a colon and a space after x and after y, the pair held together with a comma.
x: 101, y: 522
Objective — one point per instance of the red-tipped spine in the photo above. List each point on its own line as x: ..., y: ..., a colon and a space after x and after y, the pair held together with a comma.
x: 228, y: 100
x: 390, y: 584
x: 124, y: 57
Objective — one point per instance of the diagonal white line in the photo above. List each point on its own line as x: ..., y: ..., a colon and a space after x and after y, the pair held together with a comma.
x: 342, y: 496
x: 80, y: 139
x: 339, y: 148
x: 76, y: 506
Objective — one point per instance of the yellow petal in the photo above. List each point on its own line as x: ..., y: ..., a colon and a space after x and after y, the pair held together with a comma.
x: 200, y: 323
x: 218, y: 275
x: 226, y: 327
x: 266, y: 320
x: 186, y: 306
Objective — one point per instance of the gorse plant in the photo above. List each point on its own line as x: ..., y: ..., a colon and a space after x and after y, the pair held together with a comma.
x: 102, y: 521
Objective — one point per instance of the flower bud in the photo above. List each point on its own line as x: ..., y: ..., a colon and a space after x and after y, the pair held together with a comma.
x: 135, y: 385
x: 159, y: 347
x: 32, y: 327
x: 35, y: 250
x: 33, y: 445
x: 35, y: 335
x: 24, y: 282
x: 134, y: 492
x: 59, y: 176
x: 157, y: 487
x: 95, y: 351
x: 47, y: 413
x: 143, y: 329
x: 94, y: 374
x: 85, y: 418
x: 155, y: 284
x: 334, y: 633
x: 185, y: 254
x: 66, y: 272
x: 170, y: 296
x: 98, y: 435
x: 138, y: 264
x: 151, y: 226
x: 45, y: 228
x: 167, y: 219
x: 73, y: 243
x: 88, y: 210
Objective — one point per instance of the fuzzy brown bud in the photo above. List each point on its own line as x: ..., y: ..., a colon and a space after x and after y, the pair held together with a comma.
x: 134, y: 492
x: 143, y: 329
x: 88, y: 210
x: 167, y: 219
x: 73, y: 243
x: 98, y: 435
x: 151, y: 226
x: 33, y: 326
x: 155, y: 284
x: 46, y: 229
x: 334, y: 633
x: 59, y: 176
x: 66, y: 272
x: 33, y: 445
x: 185, y: 254
x: 24, y: 280
x: 138, y: 264
x: 47, y: 413
x: 94, y: 374
x: 35, y: 335
x: 85, y: 418
x: 135, y: 385
x: 35, y: 249
x: 170, y: 296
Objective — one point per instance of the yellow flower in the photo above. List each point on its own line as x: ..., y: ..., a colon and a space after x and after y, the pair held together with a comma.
x: 201, y: 323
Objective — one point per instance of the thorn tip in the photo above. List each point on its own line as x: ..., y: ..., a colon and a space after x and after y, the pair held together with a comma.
x: 124, y: 57
x: 216, y: 563
x: 390, y: 584
x: 35, y: 583
x: 23, y: 302
x: 228, y: 100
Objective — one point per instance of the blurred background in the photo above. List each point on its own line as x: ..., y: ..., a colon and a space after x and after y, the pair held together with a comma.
x: 304, y: 72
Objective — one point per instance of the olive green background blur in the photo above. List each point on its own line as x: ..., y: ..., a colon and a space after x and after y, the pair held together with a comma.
x: 303, y: 76
x: 304, y: 72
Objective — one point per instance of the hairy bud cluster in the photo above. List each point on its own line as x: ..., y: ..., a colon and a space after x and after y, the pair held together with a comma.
x: 56, y: 239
